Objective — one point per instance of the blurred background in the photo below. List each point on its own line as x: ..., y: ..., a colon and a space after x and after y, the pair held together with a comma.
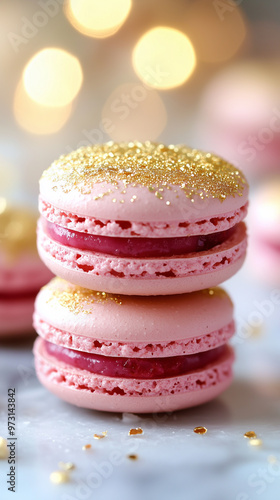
x: 200, y: 72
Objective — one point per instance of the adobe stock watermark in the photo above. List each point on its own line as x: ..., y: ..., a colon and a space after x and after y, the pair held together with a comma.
x: 260, y: 480
x: 223, y: 7
x: 255, y: 143
x: 256, y: 318
x: 30, y: 27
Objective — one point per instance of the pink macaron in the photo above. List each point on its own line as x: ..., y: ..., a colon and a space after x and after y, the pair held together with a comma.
x: 264, y: 248
x: 22, y: 273
x: 240, y: 116
x: 142, y: 218
x: 133, y: 354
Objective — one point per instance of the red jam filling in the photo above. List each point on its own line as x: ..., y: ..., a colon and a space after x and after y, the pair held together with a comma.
x: 11, y: 295
x: 140, y: 368
x: 136, y: 247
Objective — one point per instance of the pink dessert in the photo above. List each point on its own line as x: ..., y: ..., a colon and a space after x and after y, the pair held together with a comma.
x: 142, y: 218
x: 239, y: 116
x: 135, y: 354
x: 22, y: 274
x: 264, y: 248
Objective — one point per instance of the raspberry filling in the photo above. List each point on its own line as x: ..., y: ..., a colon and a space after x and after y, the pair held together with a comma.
x: 10, y: 295
x: 136, y: 247
x: 139, y: 368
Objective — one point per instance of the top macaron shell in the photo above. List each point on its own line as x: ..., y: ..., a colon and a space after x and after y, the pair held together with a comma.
x: 129, y: 319
x: 119, y: 200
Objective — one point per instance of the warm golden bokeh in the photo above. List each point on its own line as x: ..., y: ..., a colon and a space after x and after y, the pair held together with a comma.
x: 134, y: 112
x: 53, y: 77
x: 164, y: 58
x: 97, y: 18
x: 217, y: 30
x: 35, y: 118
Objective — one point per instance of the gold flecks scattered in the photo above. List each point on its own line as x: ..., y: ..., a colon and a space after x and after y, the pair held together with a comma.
x: 272, y: 459
x: 151, y: 165
x: 255, y: 442
x: 200, y: 430
x: 214, y: 292
x: 59, y: 477
x: 250, y: 435
x: 3, y: 448
x: 136, y: 431
x: 100, y: 436
x: 17, y: 230
x: 133, y: 456
x: 66, y: 466
x: 86, y: 447
x: 77, y: 299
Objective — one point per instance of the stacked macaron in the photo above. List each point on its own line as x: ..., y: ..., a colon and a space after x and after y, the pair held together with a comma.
x: 138, y: 219
x: 22, y: 273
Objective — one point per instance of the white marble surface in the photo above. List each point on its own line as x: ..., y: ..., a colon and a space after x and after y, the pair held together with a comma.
x: 173, y: 461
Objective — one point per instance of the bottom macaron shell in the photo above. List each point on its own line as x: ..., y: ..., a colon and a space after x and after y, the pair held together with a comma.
x: 173, y: 275
x: 97, y: 392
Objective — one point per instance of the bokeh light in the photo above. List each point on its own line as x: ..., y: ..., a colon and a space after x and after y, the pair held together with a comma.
x: 134, y: 112
x: 216, y: 29
x: 53, y: 77
x: 8, y: 180
x: 97, y: 18
x: 35, y: 118
x: 164, y: 58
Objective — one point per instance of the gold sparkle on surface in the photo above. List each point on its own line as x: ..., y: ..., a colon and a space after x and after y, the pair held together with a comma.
x: 66, y: 466
x: 59, y: 477
x: 100, y: 436
x: 86, y: 447
x: 154, y: 166
x: 77, y: 299
x: 132, y: 456
x: 3, y: 448
x: 255, y: 442
x: 17, y: 230
x: 135, y: 432
x: 200, y: 430
x: 250, y: 435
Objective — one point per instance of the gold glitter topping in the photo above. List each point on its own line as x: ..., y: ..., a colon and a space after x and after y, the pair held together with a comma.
x: 59, y: 477
x: 86, y: 447
x: 154, y: 166
x: 250, y: 435
x: 133, y: 456
x: 100, y: 436
x: 255, y: 442
x: 200, y: 430
x: 77, y: 299
x: 134, y: 432
x: 17, y: 230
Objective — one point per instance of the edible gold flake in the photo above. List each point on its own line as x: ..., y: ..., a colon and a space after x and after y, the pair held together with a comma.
x: 59, y: 477
x: 100, y: 436
x: 134, y: 432
x: 86, y: 447
x: 67, y: 466
x: 77, y: 299
x: 200, y: 430
x: 17, y: 230
x: 255, y: 442
x: 151, y: 165
x: 250, y: 435
x: 132, y: 456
